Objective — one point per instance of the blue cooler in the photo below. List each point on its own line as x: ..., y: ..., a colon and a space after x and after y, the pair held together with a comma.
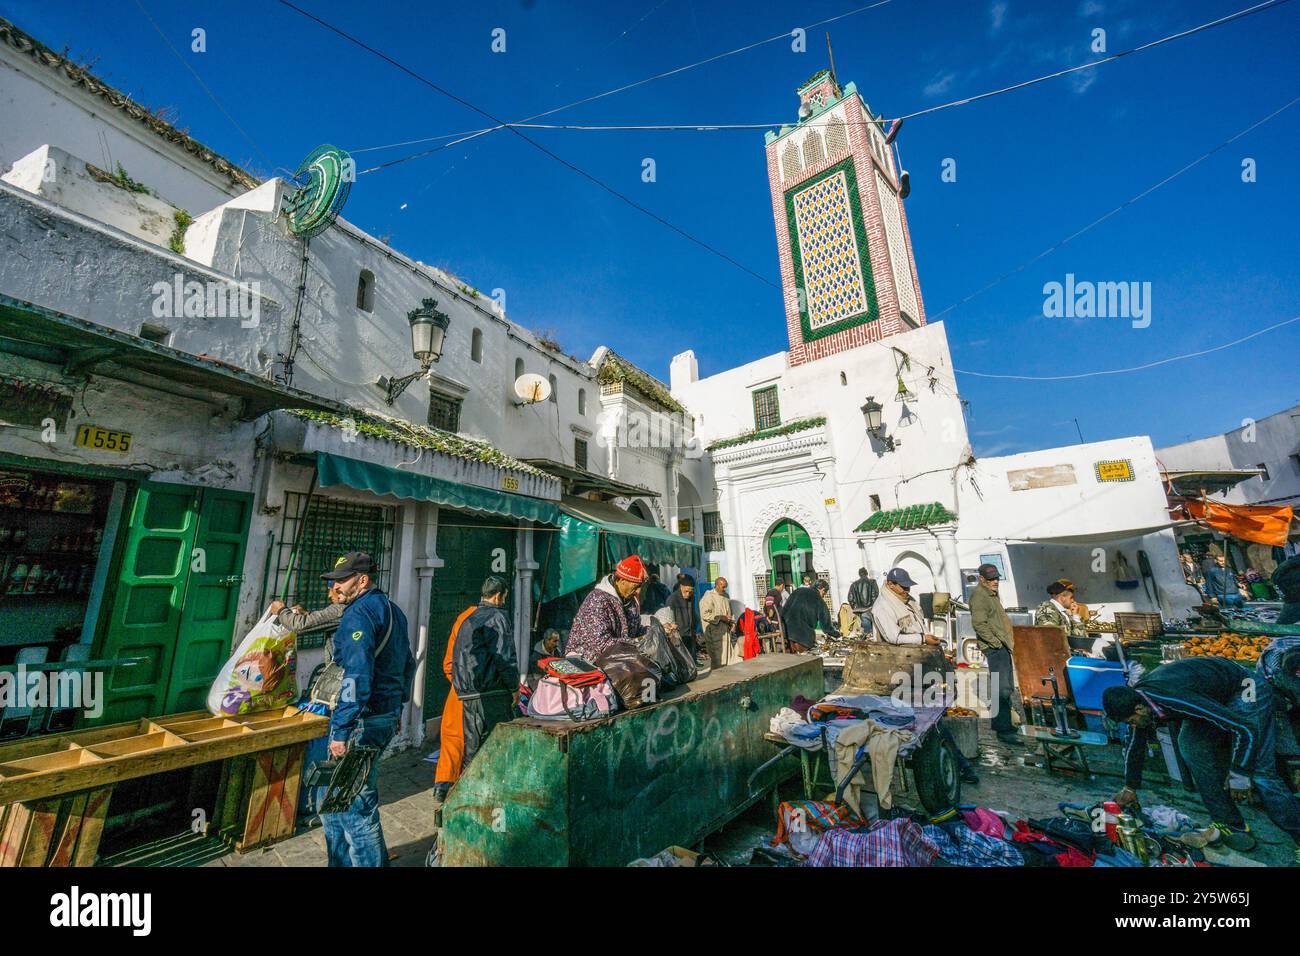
x: 1089, y: 677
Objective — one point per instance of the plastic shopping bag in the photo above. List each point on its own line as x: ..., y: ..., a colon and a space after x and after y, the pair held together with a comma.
x: 261, y: 675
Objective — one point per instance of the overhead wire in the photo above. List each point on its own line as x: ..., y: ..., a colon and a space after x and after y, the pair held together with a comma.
x: 538, y: 146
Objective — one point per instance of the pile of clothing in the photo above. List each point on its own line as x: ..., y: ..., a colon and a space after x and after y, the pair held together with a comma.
x: 816, y: 833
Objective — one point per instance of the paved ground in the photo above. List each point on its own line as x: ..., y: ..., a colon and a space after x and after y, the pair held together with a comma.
x: 1008, y: 782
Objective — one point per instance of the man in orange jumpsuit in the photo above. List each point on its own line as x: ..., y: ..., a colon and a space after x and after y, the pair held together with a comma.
x: 452, y: 733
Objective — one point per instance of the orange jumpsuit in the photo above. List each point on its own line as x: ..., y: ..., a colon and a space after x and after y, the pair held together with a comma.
x: 452, y: 733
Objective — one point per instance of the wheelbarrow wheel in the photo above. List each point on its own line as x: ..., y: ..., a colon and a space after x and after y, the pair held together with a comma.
x: 938, y: 778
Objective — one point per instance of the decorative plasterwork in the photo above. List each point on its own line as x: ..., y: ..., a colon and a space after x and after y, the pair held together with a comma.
x: 783, y: 446
x: 773, y: 512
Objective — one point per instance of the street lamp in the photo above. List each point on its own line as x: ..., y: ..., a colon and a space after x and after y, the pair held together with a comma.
x: 428, y: 333
x: 871, y: 410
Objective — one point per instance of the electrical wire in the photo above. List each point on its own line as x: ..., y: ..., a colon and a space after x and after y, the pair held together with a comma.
x: 564, y: 162
x: 719, y: 127
x: 198, y: 79
x: 658, y: 76
x: 1134, y: 368
x: 1120, y: 208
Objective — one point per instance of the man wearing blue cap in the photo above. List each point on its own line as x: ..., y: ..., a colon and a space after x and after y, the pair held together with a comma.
x: 372, y: 645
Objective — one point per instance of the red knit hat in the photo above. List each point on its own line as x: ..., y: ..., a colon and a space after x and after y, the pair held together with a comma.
x: 631, y: 569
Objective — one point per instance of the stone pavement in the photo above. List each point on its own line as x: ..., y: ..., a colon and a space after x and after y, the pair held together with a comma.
x: 406, y: 809
x: 1008, y: 781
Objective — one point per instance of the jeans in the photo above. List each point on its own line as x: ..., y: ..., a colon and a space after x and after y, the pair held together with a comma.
x: 865, y: 618
x: 355, y: 837
x: 1208, y: 752
x: 999, y: 662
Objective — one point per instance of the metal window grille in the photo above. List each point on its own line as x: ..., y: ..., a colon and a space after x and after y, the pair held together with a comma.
x: 332, y: 529
x: 444, y: 413
x: 767, y: 411
x: 580, y: 453
x: 713, y: 540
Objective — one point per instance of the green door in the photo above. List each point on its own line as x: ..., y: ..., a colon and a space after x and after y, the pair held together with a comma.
x: 789, y: 550
x: 471, y: 548
x: 211, y: 598
x: 170, y: 607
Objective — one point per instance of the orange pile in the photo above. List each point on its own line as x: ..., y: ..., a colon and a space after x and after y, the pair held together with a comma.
x: 961, y: 712
x: 1237, y: 647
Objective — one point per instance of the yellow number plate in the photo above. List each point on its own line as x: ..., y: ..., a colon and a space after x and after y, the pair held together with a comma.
x: 101, y: 439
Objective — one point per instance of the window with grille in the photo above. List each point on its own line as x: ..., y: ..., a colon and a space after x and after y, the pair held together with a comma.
x: 580, y: 453
x: 332, y: 529
x: 444, y: 413
x: 713, y: 540
x: 767, y: 412
x: 812, y: 149
x: 837, y: 138
x: 790, y: 162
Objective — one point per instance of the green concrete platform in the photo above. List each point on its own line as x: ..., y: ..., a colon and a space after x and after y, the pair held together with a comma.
x: 605, y: 792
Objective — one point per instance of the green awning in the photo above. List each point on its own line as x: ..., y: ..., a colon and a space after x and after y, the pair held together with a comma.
x: 383, y: 480
x: 652, y: 544
x: 570, y: 559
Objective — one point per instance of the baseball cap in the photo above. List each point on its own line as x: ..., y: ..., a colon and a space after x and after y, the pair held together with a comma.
x: 1059, y: 587
x: 901, y: 578
x: 989, y: 572
x: 354, y: 562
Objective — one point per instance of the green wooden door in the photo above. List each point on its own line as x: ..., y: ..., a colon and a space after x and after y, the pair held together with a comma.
x: 207, y: 618
x: 789, y: 550
x: 471, y: 548
x: 177, y: 619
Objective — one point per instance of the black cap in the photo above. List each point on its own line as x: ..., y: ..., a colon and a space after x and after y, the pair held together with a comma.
x: 354, y: 562
x: 1056, y: 587
x: 900, y: 577
x: 989, y: 572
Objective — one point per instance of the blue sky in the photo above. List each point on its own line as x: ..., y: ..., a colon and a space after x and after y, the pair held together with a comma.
x: 1034, y: 166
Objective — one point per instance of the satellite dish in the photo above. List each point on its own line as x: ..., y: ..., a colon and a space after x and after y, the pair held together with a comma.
x: 532, y: 388
x: 321, y: 187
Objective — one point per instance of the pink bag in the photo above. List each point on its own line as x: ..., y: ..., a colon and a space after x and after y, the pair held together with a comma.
x: 555, y: 700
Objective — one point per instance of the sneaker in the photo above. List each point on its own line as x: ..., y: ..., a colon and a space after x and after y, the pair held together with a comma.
x: 1240, y: 839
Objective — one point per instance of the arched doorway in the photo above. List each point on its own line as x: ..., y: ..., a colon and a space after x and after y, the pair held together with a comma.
x: 635, y: 509
x: 789, y: 553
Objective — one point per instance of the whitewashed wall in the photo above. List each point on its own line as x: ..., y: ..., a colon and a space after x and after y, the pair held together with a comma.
x: 39, y: 105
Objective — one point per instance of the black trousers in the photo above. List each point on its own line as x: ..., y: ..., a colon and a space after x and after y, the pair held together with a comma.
x: 481, y: 714
x: 999, y: 661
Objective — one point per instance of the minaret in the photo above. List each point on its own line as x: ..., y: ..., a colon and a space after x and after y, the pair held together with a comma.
x: 846, y: 255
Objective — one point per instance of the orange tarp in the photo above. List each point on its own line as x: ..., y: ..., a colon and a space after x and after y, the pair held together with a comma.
x: 1257, y: 523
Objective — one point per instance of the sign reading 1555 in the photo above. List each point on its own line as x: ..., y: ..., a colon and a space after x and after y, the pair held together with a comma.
x: 92, y: 436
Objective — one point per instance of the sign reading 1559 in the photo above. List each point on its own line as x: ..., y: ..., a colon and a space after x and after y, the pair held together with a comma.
x: 92, y: 436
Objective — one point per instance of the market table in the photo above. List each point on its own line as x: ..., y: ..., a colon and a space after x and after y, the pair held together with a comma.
x: 55, y: 789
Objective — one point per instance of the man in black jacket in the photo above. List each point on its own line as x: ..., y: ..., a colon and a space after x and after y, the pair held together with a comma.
x: 804, y: 611
x: 1224, y: 718
x: 485, y: 668
x: 685, y: 614
x: 862, y: 595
